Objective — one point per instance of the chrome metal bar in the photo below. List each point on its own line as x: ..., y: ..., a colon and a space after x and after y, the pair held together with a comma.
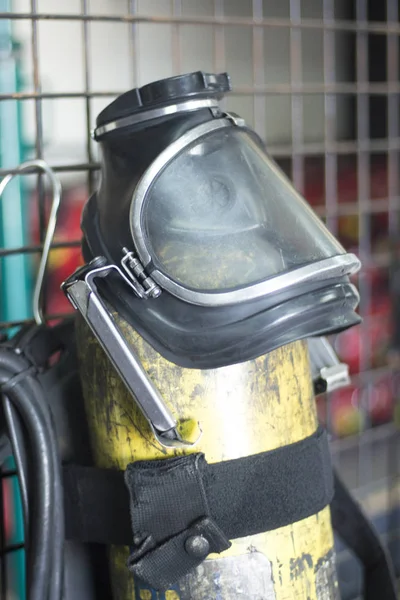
x: 81, y: 289
x: 121, y: 355
x: 84, y: 295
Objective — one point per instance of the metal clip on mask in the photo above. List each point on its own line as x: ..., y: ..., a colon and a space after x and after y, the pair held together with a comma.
x: 328, y: 373
x: 207, y: 250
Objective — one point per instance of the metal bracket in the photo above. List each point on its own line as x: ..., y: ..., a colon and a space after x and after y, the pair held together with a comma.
x: 328, y: 373
x: 82, y: 291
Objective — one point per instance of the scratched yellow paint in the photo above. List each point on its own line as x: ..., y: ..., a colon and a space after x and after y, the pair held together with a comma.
x: 242, y: 409
x: 171, y: 595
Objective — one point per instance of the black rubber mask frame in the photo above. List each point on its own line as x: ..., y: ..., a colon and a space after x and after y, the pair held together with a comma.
x: 211, y: 337
x: 309, y: 294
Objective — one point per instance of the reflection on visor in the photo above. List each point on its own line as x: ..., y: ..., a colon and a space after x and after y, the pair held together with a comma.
x: 221, y: 215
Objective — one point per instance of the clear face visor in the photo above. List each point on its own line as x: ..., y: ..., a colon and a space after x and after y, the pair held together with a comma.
x: 220, y: 216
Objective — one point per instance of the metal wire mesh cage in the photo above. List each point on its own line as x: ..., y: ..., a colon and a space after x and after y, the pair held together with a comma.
x: 317, y: 79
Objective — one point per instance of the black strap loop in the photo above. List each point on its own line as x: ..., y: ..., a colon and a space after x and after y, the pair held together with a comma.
x: 245, y: 496
x: 241, y: 497
x: 182, y: 504
x: 163, y: 565
x: 17, y: 378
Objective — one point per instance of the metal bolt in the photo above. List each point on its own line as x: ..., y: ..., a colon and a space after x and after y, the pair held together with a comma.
x: 99, y: 261
x: 197, y: 546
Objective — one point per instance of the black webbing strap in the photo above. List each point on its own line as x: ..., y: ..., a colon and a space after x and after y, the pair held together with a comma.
x: 96, y: 503
x: 180, y: 502
x: 183, y: 508
x: 246, y: 495
x: 357, y: 532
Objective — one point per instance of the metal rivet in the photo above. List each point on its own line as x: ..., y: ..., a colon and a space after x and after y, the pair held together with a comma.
x: 197, y: 546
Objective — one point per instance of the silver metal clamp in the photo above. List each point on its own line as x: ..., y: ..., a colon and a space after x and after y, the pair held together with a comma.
x: 328, y: 373
x: 83, y: 293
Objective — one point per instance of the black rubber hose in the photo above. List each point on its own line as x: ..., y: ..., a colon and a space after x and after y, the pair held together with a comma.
x: 5, y: 448
x: 18, y: 445
x: 57, y: 567
x: 13, y: 361
x: 32, y: 415
x: 58, y: 525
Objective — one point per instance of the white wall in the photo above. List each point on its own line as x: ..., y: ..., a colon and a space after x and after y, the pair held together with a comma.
x: 122, y: 55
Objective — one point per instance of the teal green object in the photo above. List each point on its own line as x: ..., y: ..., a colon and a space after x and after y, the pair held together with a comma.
x: 15, y: 277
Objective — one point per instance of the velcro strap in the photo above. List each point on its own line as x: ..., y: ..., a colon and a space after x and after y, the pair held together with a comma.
x: 245, y: 496
x: 173, y: 529
x: 183, y: 508
x: 96, y: 505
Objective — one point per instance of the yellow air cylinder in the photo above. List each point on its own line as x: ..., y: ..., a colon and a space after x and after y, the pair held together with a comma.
x: 243, y: 409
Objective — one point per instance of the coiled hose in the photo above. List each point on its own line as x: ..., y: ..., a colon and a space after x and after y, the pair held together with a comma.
x: 39, y: 472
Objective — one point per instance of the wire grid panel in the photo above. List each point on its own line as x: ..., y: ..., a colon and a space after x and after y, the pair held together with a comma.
x: 318, y: 80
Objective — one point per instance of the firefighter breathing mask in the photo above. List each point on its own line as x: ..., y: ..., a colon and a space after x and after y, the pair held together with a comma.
x: 198, y: 240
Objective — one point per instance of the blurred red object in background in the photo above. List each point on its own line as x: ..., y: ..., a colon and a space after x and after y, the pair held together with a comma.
x: 366, y: 346
x: 62, y: 261
x: 356, y: 407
